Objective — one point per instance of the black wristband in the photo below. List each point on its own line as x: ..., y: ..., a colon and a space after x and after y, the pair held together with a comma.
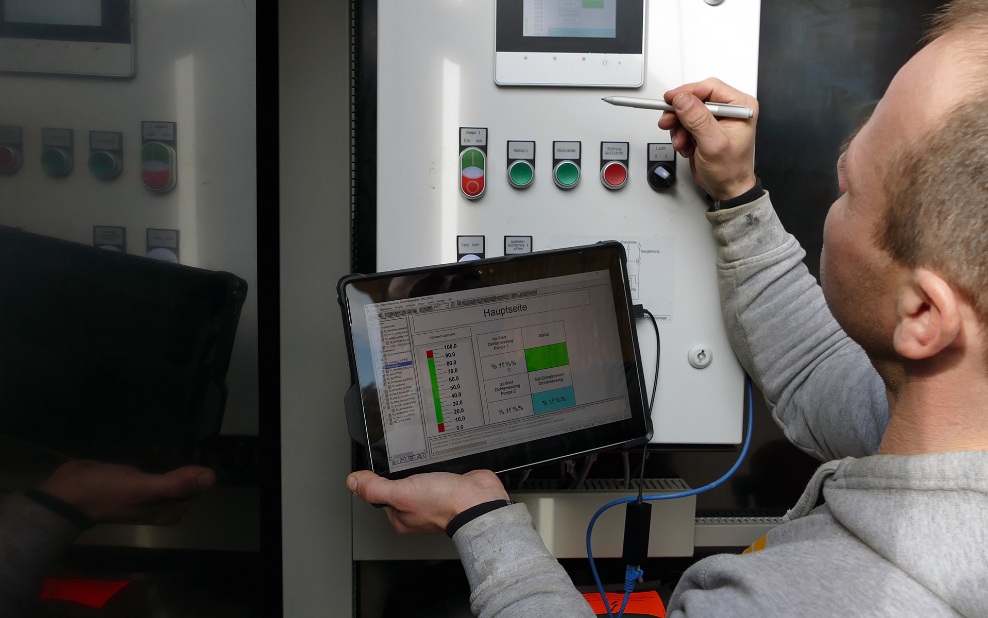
x: 59, y: 507
x: 473, y: 513
x: 748, y: 196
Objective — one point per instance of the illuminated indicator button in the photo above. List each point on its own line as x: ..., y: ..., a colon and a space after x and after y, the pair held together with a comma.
x: 566, y: 174
x: 105, y: 165
x: 614, y: 174
x: 472, y: 175
x: 521, y: 174
x: 56, y: 162
x: 10, y: 160
x: 158, y: 167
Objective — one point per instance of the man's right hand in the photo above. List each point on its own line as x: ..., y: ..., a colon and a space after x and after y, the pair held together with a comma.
x: 721, y: 151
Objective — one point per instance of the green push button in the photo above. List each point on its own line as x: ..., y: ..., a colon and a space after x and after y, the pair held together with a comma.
x: 566, y: 174
x: 56, y: 162
x: 521, y: 174
x: 105, y: 165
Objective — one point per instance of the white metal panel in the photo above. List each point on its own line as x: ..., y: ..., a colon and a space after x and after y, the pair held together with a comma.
x: 435, y: 75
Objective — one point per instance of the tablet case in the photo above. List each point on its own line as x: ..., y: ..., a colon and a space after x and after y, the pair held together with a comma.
x: 352, y: 404
x: 110, y: 356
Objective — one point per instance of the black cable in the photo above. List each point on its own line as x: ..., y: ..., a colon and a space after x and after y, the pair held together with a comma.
x: 651, y: 400
x: 658, y: 354
x: 641, y: 477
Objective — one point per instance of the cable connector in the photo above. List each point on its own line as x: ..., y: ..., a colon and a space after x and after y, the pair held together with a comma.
x: 631, y: 576
x: 637, y: 521
x: 638, y: 311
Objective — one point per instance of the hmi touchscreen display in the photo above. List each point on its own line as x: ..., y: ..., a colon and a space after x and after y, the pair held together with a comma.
x: 498, y: 363
x: 598, y: 43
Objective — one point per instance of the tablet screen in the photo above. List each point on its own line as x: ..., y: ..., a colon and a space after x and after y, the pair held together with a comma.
x: 499, y: 363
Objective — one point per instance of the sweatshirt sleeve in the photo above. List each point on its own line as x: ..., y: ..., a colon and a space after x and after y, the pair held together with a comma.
x: 510, y: 571
x: 31, y: 538
x: 820, y: 386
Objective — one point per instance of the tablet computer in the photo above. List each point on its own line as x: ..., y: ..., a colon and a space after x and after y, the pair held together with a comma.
x: 499, y: 363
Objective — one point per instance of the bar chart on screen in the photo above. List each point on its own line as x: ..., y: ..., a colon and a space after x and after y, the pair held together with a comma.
x: 452, y: 375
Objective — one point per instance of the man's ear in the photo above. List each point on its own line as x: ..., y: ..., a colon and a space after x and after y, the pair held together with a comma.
x: 928, y: 316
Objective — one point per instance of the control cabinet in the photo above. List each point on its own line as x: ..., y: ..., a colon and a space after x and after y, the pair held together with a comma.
x: 467, y: 168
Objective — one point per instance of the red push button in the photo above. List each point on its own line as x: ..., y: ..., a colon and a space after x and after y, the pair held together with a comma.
x: 472, y: 187
x: 10, y: 160
x: 614, y: 175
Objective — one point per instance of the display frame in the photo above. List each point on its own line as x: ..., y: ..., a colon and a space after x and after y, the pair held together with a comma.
x: 576, y: 61
x: 105, y: 50
x: 365, y: 414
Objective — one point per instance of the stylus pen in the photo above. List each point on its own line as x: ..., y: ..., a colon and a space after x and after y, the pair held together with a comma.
x: 724, y: 110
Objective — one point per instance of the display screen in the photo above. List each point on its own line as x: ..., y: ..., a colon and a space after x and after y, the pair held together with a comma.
x: 570, y: 26
x: 54, y: 12
x: 102, y: 21
x: 470, y: 369
x: 570, y: 18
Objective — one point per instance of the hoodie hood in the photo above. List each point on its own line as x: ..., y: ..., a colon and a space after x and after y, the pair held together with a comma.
x: 926, y: 514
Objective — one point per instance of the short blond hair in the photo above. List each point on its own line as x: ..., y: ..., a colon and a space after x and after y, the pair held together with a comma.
x: 937, y: 214
x: 958, y: 15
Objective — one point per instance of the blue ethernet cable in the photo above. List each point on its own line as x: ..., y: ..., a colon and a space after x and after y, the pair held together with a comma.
x: 633, y: 573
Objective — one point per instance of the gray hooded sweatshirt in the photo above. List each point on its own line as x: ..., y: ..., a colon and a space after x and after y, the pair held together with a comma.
x: 897, y: 536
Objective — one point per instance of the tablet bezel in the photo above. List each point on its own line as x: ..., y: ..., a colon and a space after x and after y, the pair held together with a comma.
x: 375, y: 288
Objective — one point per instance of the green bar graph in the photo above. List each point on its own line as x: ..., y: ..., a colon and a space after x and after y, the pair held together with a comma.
x: 547, y: 356
x: 435, y: 389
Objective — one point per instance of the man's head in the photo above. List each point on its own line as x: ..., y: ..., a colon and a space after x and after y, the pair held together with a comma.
x: 938, y: 214
x: 914, y: 184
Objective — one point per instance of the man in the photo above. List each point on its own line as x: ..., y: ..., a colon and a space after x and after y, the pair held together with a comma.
x: 37, y: 526
x: 904, y: 272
